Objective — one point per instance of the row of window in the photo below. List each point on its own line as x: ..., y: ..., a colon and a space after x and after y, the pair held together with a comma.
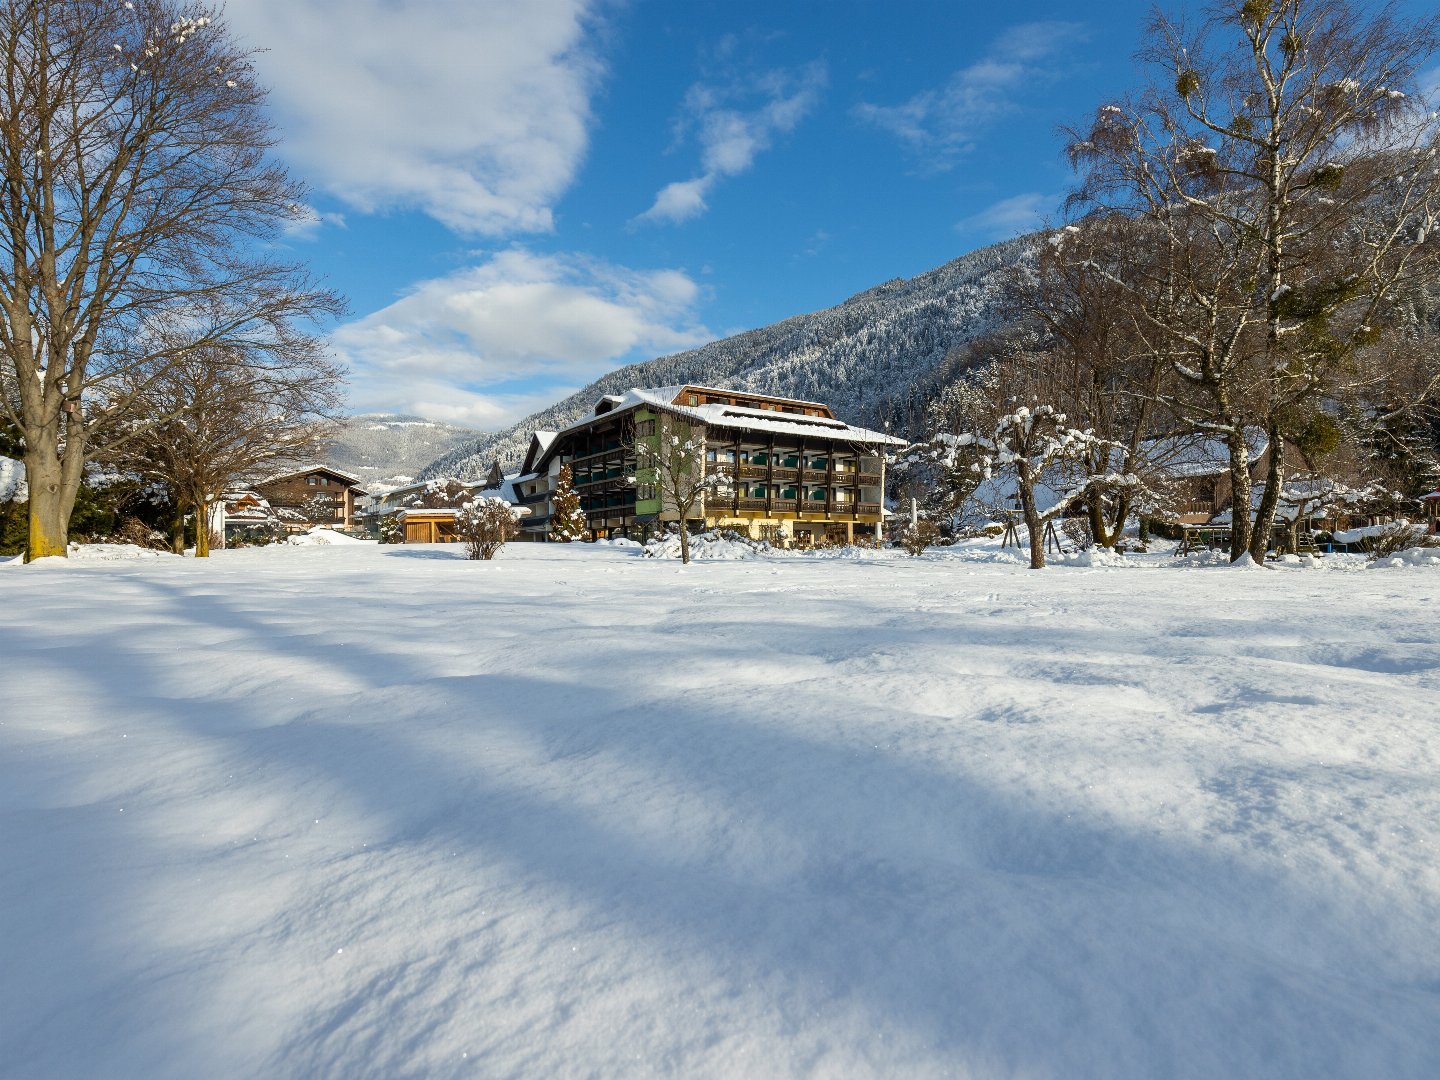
x: 785, y: 492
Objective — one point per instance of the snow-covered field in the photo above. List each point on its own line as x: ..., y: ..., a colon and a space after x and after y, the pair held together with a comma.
x: 348, y: 811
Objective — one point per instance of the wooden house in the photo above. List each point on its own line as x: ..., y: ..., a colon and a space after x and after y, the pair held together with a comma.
x: 314, y: 495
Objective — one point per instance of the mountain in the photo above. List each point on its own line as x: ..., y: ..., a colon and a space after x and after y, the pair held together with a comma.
x: 380, y: 447
x: 876, y: 358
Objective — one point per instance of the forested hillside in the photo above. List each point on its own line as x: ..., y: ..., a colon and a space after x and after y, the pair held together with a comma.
x: 874, y: 358
x: 378, y: 446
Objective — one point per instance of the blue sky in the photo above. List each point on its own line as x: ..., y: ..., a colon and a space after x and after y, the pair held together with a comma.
x: 520, y: 195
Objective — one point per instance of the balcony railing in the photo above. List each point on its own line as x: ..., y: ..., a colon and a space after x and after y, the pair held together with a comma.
x: 867, y: 508
x: 816, y: 476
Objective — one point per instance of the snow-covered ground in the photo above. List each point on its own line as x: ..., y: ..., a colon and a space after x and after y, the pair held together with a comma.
x: 354, y: 811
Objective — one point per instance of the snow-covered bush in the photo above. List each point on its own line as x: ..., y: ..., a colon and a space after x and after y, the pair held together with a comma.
x: 391, y: 531
x: 484, y: 524
x: 1384, y: 541
x: 916, y: 537
x: 714, y: 544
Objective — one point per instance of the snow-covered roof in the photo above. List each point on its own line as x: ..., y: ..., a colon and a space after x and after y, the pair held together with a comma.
x: 748, y: 419
x: 506, y: 490
x: 1191, y: 455
x: 304, y: 469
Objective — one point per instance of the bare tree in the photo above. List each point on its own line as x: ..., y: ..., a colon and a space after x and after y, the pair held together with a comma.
x: 1289, y: 170
x: 671, y: 463
x: 1095, y: 364
x: 1031, y: 446
x: 138, y: 193
x: 226, y: 417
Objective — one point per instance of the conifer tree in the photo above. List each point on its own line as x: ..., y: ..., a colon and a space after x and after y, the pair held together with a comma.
x: 567, y: 522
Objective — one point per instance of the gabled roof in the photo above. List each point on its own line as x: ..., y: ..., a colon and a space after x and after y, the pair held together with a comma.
x: 306, y: 470
x: 746, y: 419
x: 540, y: 442
x: 738, y: 417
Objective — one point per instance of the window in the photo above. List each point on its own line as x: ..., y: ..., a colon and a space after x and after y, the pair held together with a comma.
x: 310, y: 480
x: 644, y: 492
x: 644, y: 428
x: 691, y: 399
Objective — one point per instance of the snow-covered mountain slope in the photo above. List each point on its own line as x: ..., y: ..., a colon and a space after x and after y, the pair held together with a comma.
x: 376, y: 446
x: 872, y: 357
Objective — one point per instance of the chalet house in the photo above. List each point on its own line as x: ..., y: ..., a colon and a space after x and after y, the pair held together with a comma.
x: 787, y: 470
x: 1199, y: 473
x: 313, y: 495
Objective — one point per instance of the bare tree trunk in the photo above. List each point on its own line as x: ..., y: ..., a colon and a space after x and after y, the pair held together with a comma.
x: 177, y: 528
x: 53, y: 488
x: 1026, y: 489
x: 202, y: 529
x: 1270, y: 494
x: 1105, y: 529
x: 684, y: 542
x: 1239, y: 492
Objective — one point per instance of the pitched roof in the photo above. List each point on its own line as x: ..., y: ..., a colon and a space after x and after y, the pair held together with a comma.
x: 304, y: 470
x: 742, y: 417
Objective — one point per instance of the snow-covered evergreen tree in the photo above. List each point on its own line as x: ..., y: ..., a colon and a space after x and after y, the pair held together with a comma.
x: 567, y: 520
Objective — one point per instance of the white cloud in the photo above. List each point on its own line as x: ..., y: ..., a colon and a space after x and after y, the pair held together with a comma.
x: 491, y: 343
x: 1010, y: 217
x: 943, y: 123
x: 474, y: 111
x: 730, y: 134
x: 308, y: 225
x: 681, y: 200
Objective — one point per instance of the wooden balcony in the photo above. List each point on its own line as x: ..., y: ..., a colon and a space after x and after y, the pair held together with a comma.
x: 868, y: 477
x: 815, y: 476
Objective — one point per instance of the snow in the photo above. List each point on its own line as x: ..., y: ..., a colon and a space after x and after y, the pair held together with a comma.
x: 12, y: 481
x: 325, y: 536
x: 371, y: 811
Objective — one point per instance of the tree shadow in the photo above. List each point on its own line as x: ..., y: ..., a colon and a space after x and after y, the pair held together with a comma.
x: 706, y: 847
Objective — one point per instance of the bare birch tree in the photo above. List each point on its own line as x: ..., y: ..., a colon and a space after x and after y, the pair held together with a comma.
x: 672, y: 462
x: 137, y: 189
x: 1285, y: 160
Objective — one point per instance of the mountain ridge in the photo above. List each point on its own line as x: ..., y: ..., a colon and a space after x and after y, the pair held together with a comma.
x: 873, y: 357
